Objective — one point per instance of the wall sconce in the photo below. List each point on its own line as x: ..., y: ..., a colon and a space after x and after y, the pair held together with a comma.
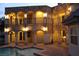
x: 6, y: 16
x: 70, y: 8
x: 64, y: 37
x: 25, y: 15
x: 44, y: 28
x: 45, y: 15
x: 26, y: 28
x: 6, y: 29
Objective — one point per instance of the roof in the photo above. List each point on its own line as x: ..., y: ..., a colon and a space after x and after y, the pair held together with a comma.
x: 28, y: 6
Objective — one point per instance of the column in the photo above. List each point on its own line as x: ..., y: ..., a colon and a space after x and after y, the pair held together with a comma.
x: 16, y: 38
x: 34, y: 28
x: 26, y: 39
x: 46, y: 38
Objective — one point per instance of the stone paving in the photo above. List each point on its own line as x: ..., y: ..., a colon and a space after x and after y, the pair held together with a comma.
x: 54, y: 50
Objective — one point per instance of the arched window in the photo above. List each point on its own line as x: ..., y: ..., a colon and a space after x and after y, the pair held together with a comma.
x: 12, y: 18
x: 20, y: 17
x: 39, y: 17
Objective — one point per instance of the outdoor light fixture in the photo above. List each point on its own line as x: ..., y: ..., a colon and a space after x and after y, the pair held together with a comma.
x: 6, y: 29
x: 64, y: 37
x: 69, y: 9
x: 6, y: 16
x: 44, y: 28
x: 25, y: 15
x: 26, y: 28
x: 45, y: 14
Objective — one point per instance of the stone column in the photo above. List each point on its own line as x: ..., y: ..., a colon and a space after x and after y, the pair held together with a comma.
x: 26, y: 39
x: 34, y: 28
x: 46, y: 38
x: 16, y: 38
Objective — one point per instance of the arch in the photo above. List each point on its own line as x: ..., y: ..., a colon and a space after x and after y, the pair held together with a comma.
x: 29, y: 17
x: 12, y: 18
x: 20, y: 17
x: 40, y: 36
x: 21, y: 36
x: 11, y: 36
x: 39, y: 17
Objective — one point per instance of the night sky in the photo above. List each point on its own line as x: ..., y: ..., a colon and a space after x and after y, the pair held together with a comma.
x: 3, y: 5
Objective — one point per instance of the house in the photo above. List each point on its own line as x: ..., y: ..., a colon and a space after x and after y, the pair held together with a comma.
x: 73, y: 32
x: 28, y: 25
x: 36, y: 24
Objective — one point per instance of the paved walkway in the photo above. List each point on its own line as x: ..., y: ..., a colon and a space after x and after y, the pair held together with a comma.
x: 54, y: 50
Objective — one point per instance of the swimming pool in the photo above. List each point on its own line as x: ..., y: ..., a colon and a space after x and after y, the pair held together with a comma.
x: 18, y: 52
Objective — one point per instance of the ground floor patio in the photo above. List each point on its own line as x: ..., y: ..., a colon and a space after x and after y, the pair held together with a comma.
x: 46, y: 50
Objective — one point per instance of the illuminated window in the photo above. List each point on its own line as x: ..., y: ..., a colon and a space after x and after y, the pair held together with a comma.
x: 25, y: 15
x: 44, y: 28
x: 6, y: 16
x: 39, y: 17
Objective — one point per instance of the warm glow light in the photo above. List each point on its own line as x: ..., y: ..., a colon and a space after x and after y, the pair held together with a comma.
x: 44, y: 28
x: 26, y: 28
x: 69, y: 9
x: 6, y: 16
x: 64, y: 37
x: 25, y: 15
x: 39, y: 14
x: 45, y: 14
x: 7, y: 29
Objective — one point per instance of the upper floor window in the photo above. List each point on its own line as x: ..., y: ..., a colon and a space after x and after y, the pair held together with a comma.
x: 40, y: 16
x: 20, y: 17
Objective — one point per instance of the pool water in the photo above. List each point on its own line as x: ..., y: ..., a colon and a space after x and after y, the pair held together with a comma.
x: 18, y: 52
x: 7, y: 52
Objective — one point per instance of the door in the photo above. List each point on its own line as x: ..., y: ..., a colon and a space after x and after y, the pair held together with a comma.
x: 12, y: 37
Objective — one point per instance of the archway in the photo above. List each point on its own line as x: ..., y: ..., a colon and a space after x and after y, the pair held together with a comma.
x: 12, y: 18
x: 21, y: 36
x: 29, y: 17
x: 11, y: 38
x: 40, y: 36
x: 39, y: 17
x: 20, y: 17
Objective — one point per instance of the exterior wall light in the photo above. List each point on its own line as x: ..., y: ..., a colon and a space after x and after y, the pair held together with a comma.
x: 70, y: 8
x: 26, y: 28
x: 6, y: 16
x: 64, y: 37
x: 6, y: 29
x: 45, y: 15
x: 44, y: 28
x: 25, y: 15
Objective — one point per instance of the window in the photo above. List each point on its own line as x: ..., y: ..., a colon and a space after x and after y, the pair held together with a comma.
x: 20, y: 35
x: 64, y: 33
x: 74, y: 35
x: 20, y: 21
x: 29, y: 34
x: 74, y: 40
